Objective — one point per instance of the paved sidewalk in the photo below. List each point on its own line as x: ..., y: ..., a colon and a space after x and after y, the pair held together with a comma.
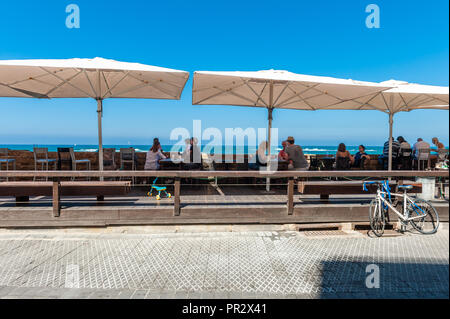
x: 267, y: 264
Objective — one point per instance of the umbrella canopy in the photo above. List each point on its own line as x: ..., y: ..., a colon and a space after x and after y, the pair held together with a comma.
x: 96, y: 78
x: 281, y: 89
x: 405, y: 97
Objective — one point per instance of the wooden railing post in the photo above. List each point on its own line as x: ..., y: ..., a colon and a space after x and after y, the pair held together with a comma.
x: 176, y: 199
x: 290, y: 196
x: 56, y: 198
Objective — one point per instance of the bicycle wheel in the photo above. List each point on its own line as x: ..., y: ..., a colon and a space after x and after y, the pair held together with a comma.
x: 429, y: 223
x: 377, y: 218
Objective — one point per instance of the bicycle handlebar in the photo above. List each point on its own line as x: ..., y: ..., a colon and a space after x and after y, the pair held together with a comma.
x: 384, y: 184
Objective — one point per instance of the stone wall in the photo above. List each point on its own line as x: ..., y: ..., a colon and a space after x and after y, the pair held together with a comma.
x: 25, y: 160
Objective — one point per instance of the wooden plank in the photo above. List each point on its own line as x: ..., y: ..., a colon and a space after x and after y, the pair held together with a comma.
x: 290, y: 196
x: 66, y: 188
x: 176, y: 200
x: 89, y: 216
x: 56, y: 199
x: 204, y: 174
x: 345, y: 187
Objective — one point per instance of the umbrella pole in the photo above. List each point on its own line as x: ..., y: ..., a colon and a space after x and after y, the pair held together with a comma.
x: 100, y: 139
x: 391, y: 124
x: 269, y: 135
x: 269, y: 140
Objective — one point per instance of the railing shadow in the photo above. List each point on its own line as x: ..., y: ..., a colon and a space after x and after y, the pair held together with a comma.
x: 359, y: 279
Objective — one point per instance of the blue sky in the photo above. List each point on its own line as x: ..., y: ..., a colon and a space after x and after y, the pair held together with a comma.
x: 310, y: 37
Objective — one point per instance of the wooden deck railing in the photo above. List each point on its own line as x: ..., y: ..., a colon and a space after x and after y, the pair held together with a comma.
x: 177, y: 175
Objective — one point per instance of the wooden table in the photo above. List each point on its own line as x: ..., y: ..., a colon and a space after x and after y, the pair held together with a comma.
x: 167, y: 164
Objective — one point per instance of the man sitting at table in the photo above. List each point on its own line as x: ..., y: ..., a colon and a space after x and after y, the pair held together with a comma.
x: 296, y: 158
x: 195, y: 155
x: 282, y: 156
x: 383, y: 159
x: 419, y: 145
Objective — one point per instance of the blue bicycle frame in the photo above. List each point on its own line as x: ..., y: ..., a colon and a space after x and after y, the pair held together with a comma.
x: 386, y: 189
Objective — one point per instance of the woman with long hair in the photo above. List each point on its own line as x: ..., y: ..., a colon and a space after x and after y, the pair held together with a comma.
x: 343, y: 158
x: 260, y: 159
x: 154, y: 155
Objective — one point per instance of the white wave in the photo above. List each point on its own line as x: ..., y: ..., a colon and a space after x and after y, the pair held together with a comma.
x: 317, y: 150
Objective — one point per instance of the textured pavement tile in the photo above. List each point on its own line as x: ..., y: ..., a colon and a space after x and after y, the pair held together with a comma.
x: 235, y: 265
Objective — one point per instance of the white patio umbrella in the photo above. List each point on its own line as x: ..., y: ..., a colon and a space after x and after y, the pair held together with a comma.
x: 405, y: 97
x: 96, y: 78
x: 274, y: 89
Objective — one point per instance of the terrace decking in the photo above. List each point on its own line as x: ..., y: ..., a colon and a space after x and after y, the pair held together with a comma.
x: 198, y: 203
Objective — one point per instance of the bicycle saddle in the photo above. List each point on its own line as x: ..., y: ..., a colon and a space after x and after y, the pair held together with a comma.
x: 405, y: 186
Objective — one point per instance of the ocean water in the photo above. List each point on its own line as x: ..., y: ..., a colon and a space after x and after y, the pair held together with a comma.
x: 307, y: 149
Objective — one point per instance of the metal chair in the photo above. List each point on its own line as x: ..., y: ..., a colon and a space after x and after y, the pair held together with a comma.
x: 41, y: 157
x: 4, y: 158
x: 128, y: 156
x: 109, y: 159
x: 423, y: 157
x: 405, y: 158
x: 67, y: 155
x: 79, y: 161
x: 64, y: 158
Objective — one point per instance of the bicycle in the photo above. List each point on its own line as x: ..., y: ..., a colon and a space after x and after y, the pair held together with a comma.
x: 420, y: 213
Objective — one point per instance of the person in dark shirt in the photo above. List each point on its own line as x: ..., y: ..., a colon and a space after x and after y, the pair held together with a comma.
x: 361, y: 158
x: 343, y: 158
x: 384, y: 158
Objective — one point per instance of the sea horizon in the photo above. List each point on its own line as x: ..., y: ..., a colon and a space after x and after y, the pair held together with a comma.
x: 226, y: 149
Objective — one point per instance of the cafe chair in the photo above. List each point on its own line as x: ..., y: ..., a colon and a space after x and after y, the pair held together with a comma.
x: 41, y: 160
x: 5, y: 159
x: 423, y: 159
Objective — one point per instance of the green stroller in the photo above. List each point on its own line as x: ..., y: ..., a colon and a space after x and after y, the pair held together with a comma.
x: 158, y: 190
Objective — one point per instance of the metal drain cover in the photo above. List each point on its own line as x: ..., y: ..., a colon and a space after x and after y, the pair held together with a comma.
x: 311, y: 233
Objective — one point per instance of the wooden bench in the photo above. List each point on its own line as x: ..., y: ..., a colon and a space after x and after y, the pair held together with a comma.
x: 23, y: 190
x: 327, y: 188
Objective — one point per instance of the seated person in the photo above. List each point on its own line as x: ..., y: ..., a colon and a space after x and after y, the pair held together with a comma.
x: 343, y: 158
x: 154, y: 155
x: 437, y: 143
x: 361, y: 158
x: 283, y: 156
x: 403, y: 143
x: 383, y: 159
x: 156, y: 140
x: 296, y: 158
x: 260, y: 157
x: 194, y: 155
x: 187, y: 150
x: 420, y: 144
x: 440, y: 149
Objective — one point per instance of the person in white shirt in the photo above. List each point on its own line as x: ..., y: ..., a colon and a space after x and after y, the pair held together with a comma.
x: 154, y: 155
x: 187, y: 151
x: 420, y: 144
x: 403, y: 143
